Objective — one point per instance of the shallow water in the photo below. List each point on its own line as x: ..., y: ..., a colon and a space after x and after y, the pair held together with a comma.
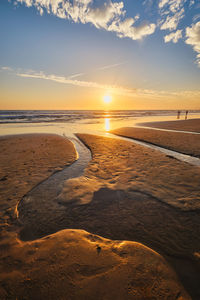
x: 44, y: 198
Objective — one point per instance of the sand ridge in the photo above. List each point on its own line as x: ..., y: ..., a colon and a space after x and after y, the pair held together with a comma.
x: 192, y: 125
x: 181, y: 142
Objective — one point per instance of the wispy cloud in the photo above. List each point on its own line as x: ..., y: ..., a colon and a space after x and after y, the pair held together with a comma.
x: 98, y: 69
x: 88, y: 84
x: 75, y: 75
x: 196, y: 17
x: 113, y: 89
x: 117, y: 90
x: 109, y: 15
x: 171, y: 22
x: 193, y: 39
x: 6, y: 68
x: 173, y: 37
x: 111, y: 66
x: 172, y: 11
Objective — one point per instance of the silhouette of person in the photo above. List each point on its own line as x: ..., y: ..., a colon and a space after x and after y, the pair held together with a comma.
x: 178, y: 114
x: 186, y: 113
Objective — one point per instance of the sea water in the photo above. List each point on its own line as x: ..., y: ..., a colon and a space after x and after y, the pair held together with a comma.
x: 68, y: 122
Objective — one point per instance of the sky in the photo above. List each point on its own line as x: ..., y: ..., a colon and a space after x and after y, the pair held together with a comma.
x: 69, y: 54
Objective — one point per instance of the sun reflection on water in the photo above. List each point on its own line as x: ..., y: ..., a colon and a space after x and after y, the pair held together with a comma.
x: 107, y: 124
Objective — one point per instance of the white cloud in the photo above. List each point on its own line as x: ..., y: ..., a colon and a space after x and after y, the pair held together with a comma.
x: 173, y: 5
x: 171, y: 22
x: 108, y: 15
x: 192, y: 2
x: 162, y: 3
x: 171, y: 11
x: 126, y: 29
x: 193, y: 39
x: 173, y: 37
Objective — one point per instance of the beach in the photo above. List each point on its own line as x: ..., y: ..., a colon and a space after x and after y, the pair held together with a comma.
x: 99, y: 150
x: 131, y: 220
x: 192, y: 125
x: 186, y: 143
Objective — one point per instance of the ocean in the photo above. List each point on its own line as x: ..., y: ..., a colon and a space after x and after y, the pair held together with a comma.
x: 68, y: 122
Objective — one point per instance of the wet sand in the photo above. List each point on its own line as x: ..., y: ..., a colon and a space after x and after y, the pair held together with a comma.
x: 185, y: 125
x: 26, y: 160
x: 140, y: 196
x: 181, y: 142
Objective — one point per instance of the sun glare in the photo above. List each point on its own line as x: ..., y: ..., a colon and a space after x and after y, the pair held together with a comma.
x: 107, y: 99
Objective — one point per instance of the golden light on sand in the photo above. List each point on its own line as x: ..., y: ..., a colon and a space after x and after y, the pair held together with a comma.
x: 107, y: 98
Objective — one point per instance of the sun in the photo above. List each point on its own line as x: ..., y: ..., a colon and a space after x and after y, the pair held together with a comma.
x: 107, y: 99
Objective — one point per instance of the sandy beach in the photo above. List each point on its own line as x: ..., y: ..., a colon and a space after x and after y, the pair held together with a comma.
x: 192, y: 125
x: 185, y: 143
x: 25, y: 161
x: 99, y: 150
x: 130, y: 225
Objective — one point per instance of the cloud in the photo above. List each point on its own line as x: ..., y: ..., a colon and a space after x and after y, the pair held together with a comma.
x: 196, y: 17
x: 111, y: 66
x: 172, y: 12
x: 192, y: 2
x: 173, y: 37
x: 173, y: 5
x: 117, y: 90
x: 75, y: 75
x: 88, y: 84
x: 126, y: 29
x: 6, y: 68
x: 193, y: 38
x: 107, y: 15
x: 171, y: 22
x: 98, y: 69
x: 162, y: 3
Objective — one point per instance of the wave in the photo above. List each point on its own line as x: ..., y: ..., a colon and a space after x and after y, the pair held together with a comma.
x: 67, y: 116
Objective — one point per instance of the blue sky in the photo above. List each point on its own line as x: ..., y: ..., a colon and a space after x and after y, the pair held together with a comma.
x: 68, y: 54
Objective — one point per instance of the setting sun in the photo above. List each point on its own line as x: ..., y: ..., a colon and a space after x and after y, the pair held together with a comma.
x: 107, y: 99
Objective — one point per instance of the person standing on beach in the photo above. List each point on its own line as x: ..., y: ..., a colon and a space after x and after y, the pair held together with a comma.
x: 186, y: 113
x: 178, y: 114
